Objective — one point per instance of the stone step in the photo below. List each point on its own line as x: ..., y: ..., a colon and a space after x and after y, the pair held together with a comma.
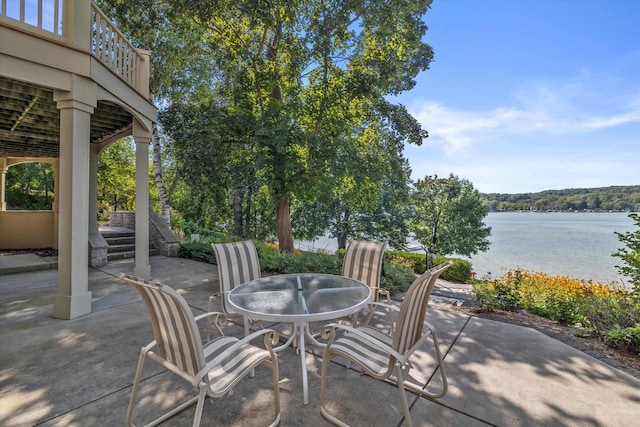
x: 122, y: 243
x: 121, y: 248
x: 112, y: 256
x: 125, y: 240
x: 116, y: 234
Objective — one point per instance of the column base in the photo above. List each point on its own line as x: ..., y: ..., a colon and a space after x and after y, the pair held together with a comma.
x: 69, y: 307
x: 143, y: 272
x: 98, y: 250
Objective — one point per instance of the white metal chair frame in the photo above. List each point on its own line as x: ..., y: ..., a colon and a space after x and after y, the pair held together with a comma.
x: 383, y: 355
x: 213, y: 368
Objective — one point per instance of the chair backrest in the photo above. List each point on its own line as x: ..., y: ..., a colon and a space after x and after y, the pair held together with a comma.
x: 174, y: 328
x: 238, y: 263
x: 363, y: 261
x: 410, y: 322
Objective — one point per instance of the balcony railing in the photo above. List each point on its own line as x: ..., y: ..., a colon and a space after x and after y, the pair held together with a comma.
x: 113, y: 49
x: 53, y: 18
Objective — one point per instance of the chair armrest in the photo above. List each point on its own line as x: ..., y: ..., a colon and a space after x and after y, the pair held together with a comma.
x: 270, y: 338
x: 329, y: 333
x: 384, y: 305
x: 209, y: 314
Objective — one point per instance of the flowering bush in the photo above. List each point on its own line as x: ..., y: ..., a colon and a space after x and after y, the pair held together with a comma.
x: 606, y: 310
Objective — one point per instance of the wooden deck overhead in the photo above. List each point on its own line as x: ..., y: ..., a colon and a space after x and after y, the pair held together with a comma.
x: 30, y: 121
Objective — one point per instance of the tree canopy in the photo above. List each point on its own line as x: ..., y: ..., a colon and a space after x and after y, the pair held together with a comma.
x: 296, y: 108
x: 449, y: 216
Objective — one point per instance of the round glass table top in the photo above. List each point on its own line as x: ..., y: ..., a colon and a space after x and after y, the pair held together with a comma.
x: 304, y: 297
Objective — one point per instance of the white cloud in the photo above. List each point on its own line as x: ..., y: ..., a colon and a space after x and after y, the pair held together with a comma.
x: 535, y: 110
x: 543, y: 136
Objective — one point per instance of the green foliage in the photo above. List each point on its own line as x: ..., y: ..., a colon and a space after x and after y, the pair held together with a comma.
x: 449, y: 216
x: 305, y: 262
x: 630, y: 254
x: 604, y: 313
x: 190, y: 227
x: 297, y: 93
x: 29, y: 186
x: 397, y: 275
x: 625, y: 338
x: 197, y: 250
x: 609, y: 312
x: 459, y: 272
x: 117, y: 177
x: 617, y: 198
x: 417, y: 261
x: 491, y: 295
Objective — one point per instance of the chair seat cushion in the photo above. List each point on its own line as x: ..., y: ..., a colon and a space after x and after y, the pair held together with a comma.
x: 364, y: 353
x: 235, y: 366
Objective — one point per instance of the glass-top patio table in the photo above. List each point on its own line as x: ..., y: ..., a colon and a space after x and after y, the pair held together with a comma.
x: 300, y: 299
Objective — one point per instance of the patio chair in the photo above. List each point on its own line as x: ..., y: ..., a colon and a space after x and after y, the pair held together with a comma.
x: 363, y: 261
x: 383, y: 355
x: 212, y: 368
x: 238, y: 263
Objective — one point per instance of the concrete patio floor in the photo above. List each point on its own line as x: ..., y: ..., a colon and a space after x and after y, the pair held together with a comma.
x: 79, y: 372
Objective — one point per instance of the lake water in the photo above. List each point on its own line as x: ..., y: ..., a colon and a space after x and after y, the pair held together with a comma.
x: 559, y: 244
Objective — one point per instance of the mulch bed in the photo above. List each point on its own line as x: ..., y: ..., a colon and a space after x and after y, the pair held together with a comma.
x: 39, y: 252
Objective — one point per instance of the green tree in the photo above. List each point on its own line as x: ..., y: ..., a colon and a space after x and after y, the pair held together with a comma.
x: 367, y: 196
x: 29, y: 186
x: 179, y: 65
x: 630, y: 254
x: 449, y: 216
x: 214, y: 155
x: 117, y: 177
x: 310, y: 73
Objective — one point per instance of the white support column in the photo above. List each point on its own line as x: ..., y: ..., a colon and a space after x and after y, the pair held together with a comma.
x: 73, y: 298
x: 93, y: 191
x: 3, y: 182
x: 142, y: 139
x: 55, y: 206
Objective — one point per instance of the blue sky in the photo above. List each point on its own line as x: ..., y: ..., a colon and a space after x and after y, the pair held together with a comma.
x: 530, y: 95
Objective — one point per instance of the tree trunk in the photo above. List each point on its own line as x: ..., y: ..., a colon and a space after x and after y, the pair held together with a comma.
x: 342, y: 242
x: 343, y: 234
x: 157, y: 169
x: 238, y: 226
x: 283, y: 226
x: 249, y: 221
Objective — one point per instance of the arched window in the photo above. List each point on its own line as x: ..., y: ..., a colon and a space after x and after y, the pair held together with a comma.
x: 29, y: 186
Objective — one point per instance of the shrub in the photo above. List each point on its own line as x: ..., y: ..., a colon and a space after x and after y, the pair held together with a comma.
x: 396, y: 277
x: 305, y: 262
x: 491, y: 295
x: 415, y: 260
x: 625, y: 338
x: 630, y: 254
x: 612, y: 313
x: 197, y: 250
x: 608, y: 311
x: 459, y: 272
x: 484, y: 295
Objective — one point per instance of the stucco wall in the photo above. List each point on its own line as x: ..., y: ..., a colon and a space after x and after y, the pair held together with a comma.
x: 27, y: 229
